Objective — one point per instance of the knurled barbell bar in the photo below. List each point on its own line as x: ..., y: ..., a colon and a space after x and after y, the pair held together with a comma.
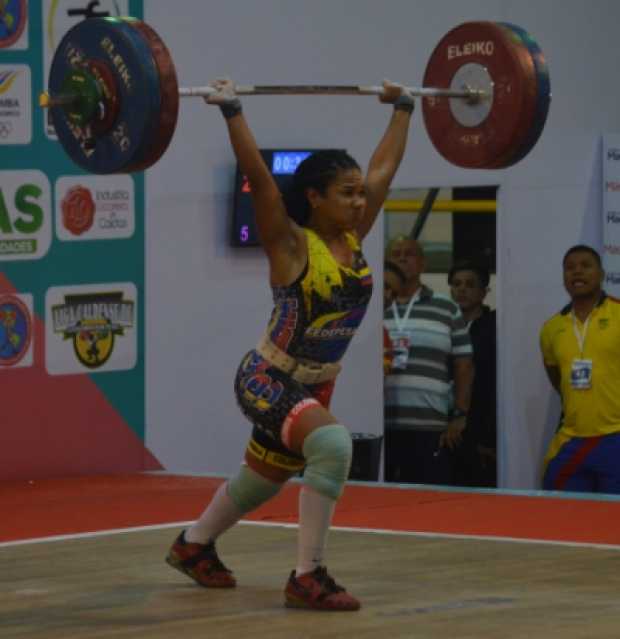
x: 69, y: 98
x: 113, y: 94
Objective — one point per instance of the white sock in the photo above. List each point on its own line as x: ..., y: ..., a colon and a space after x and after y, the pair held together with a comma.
x: 315, y: 516
x: 220, y: 515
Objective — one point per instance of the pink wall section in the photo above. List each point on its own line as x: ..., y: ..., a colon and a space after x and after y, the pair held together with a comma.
x: 58, y: 426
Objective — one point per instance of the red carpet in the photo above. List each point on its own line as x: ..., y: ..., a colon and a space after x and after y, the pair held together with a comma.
x: 93, y: 503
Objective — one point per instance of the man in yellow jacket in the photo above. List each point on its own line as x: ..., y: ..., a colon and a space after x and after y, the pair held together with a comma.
x: 581, y: 353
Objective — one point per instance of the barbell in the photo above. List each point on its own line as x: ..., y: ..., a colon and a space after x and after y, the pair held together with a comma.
x: 113, y: 95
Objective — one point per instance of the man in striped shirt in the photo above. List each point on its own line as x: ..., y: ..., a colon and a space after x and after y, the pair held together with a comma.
x: 428, y: 390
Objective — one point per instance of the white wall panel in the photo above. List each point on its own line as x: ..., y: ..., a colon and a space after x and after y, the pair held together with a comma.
x: 208, y: 303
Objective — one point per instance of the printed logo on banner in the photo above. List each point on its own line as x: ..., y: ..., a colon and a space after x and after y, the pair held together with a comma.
x: 16, y: 328
x: 78, y: 210
x: 59, y: 16
x: 611, y: 213
x: 15, y: 104
x: 613, y: 217
x: 25, y: 215
x: 13, y: 19
x: 95, y: 207
x: 90, y: 328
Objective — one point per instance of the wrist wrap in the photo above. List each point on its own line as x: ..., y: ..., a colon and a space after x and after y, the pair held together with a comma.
x: 404, y: 103
x: 230, y: 109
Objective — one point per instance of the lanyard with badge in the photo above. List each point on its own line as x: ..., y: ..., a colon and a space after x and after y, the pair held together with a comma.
x: 401, y: 338
x: 581, y: 369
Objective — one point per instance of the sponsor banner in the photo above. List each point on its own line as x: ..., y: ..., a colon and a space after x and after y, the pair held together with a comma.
x: 13, y: 24
x: 25, y: 215
x: 59, y: 16
x: 16, y: 330
x: 100, y: 207
x: 611, y: 213
x: 15, y: 104
x: 91, y: 328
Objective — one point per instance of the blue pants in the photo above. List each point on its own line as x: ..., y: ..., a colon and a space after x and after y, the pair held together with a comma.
x: 586, y: 464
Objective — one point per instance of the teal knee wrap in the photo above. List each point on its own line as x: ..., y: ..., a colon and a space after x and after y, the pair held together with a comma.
x: 249, y: 490
x: 328, y: 451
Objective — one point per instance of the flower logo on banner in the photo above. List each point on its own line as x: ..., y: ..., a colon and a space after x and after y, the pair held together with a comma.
x: 78, y: 210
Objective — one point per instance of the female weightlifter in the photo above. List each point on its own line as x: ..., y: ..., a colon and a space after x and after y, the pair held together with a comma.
x: 321, y: 286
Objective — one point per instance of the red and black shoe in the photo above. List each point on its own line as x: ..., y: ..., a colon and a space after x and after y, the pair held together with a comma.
x: 201, y: 563
x: 318, y: 591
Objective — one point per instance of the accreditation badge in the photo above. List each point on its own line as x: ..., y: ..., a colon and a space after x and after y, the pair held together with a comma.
x: 581, y: 374
x: 400, y: 349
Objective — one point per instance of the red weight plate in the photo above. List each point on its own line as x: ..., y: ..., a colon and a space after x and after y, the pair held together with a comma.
x: 543, y: 92
x: 527, y: 115
x: 164, y: 126
x: 492, y: 142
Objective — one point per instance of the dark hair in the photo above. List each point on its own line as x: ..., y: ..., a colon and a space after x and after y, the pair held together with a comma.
x: 583, y: 248
x: 388, y: 265
x: 317, y: 171
x: 471, y: 265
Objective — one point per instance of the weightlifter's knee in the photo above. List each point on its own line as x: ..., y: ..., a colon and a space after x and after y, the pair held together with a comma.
x: 328, y: 451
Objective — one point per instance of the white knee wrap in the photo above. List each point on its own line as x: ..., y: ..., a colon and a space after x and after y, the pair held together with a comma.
x: 328, y: 451
x: 249, y: 490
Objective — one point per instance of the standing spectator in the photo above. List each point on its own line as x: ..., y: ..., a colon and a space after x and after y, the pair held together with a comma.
x: 581, y: 353
x: 475, y: 459
x: 393, y: 282
x: 432, y: 350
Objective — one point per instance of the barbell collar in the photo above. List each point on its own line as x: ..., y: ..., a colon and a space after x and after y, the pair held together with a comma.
x: 47, y: 101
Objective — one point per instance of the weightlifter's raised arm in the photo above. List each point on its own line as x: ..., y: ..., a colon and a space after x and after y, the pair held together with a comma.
x: 279, y: 235
x: 389, y: 152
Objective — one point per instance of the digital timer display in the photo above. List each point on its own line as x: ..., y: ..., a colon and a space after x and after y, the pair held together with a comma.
x: 285, y: 162
x: 282, y: 164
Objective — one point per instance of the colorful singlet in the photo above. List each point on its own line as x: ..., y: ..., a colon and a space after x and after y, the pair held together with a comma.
x: 315, y: 317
